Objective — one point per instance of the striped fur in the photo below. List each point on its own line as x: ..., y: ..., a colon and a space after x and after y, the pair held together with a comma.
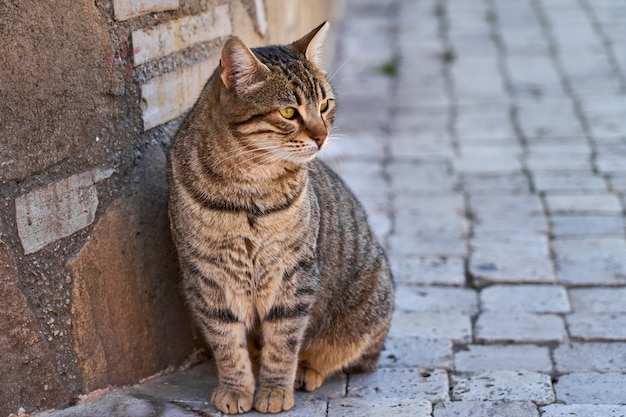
x: 280, y: 267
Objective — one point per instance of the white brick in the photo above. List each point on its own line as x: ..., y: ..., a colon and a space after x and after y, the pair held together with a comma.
x: 127, y: 9
x: 489, y: 159
x: 413, y: 351
x: 529, y: 298
x: 57, y: 210
x: 170, y: 95
x: 436, y: 299
x: 431, y: 325
x: 429, y: 270
x: 598, y: 300
x: 591, y: 388
x: 431, y: 215
x: 503, y: 385
x: 520, y: 214
x: 590, y: 357
x: 382, y: 407
x: 598, y: 326
x: 178, y: 34
x: 401, y: 383
x: 583, y: 203
x: 583, y: 410
x: 590, y: 260
x: 481, y: 358
x: 486, y: 408
x: 497, y: 327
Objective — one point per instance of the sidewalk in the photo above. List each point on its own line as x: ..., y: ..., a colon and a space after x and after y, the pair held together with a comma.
x: 487, y: 139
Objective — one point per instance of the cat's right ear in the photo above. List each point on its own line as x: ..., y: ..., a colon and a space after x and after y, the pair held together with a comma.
x: 239, y: 68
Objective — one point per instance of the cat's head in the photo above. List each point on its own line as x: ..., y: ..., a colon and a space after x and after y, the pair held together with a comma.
x: 278, y: 101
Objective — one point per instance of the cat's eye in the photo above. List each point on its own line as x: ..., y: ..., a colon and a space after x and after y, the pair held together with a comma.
x: 324, y: 106
x: 288, y: 112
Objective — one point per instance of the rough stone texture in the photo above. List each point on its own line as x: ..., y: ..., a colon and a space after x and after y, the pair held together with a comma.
x: 486, y: 408
x: 57, y: 210
x: 435, y: 299
x: 401, y: 383
x: 54, y: 78
x: 503, y: 386
x: 590, y: 357
x: 495, y: 327
x: 411, y: 352
x: 128, y: 321
x: 589, y: 261
x: 428, y: 270
x: 26, y: 366
x: 432, y: 325
x: 529, y: 298
x: 383, y: 407
x: 597, y: 326
x: 583, y: 410
x: 591, y: 388
x: 479, y: 358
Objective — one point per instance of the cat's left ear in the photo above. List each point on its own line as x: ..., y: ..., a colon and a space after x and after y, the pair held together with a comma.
x: 239, y: 67
x: 311, y: 44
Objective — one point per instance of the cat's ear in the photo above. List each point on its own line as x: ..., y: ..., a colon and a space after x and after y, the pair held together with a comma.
x: 239, y: 68
x: 311, y: 44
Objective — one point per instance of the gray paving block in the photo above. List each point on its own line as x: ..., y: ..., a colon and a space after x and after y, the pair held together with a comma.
x: 598, y: 300
x: 481, y: 358
x: 503, y: 386
x: 486, y: 409
x: 489, y: 159
x: 583, y: 410
x: 590, y: 357
x: 497, y: 327
x: 431, y: 215
x: 590, y: 260
x: 380, y: 407
x: 411, y: 351
x: 604, y: 203
x: 548, y: 118
x: 428, y: 270
x: 521, y: 214
x: 591, y: 388
x: 400, y: 383
x: 489, y: 183
x: 315, y: 408
x: 597, y: 326
x: 454, y: 326
x: 477, y: 124
x: 436, y: 299
x: 403, y: 245
x: 574, y: 181
x: 528, y: 298
x: 432, y: 176
x: 587, y: 225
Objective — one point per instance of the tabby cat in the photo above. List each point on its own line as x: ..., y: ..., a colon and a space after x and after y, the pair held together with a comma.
x: 280, y: 267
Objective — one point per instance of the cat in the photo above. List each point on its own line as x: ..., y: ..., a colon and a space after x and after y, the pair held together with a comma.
x: 280, y: 268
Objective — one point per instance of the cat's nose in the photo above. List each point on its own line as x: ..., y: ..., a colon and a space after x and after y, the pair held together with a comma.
x: 319, y: 136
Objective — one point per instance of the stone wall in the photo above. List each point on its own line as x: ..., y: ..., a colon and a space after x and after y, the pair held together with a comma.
x: 92, y: 94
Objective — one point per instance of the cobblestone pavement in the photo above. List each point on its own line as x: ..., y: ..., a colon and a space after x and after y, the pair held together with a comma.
x: 487, y: 139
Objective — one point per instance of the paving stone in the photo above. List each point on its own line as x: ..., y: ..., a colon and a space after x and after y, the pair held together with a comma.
x: 590, y: 357
x: 426, y: 245
x: 436, y: 299
x: 597, y: 326
x: 541, y: 161
x: 489, y: 160
x: 429, y: 325
x: 590, y: 261
x: 407, y: 352
x: 497, y: 214
x: 481, y: 124
x: 57, y: 210
x: 591, y: 388
x: 478, y: 80
x: 618, y: 183
x: 576, y: 181
x: 431, y: 385
x: 605, y: 116
x: 477, y: 184
x: 524, y: 259
x: 431, y: 215
x: 422, y: 176
x: 127, y: 9
x: 587, y: 225
x: 383, y: 407
x: 533, y: 75
x: 611, y: 158
x: 499, y: 327
x: 598, y: 300
x: 428, y: 147
x: 583, y: 410
x: 481, y: 358
x: 549, y: 118
x: 486, y: 408
x: 428, y: 270
x: 503, y: 385
x: 177, y: 34
x: 528, y: 298
x: 583, y: 203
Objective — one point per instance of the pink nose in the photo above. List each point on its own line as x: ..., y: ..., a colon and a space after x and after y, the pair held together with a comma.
x: 319, y: 139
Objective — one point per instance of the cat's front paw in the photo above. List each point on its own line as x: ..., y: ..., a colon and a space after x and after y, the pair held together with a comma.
x: 232, y: 401
x: 273, y: 400
x: 308, y: 379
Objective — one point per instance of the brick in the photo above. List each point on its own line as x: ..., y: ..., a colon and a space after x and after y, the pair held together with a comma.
x: 127, y: 9
x: 425, y: 176
x: 178, y: 34
x: 589, y: 225
x: 533, y: 75
x: 611, y: 158
x: 591, y: 388
x: 414, y: 128
x: 57, y: 210
x: 431, y: 215
x: 436, y: 299
x: 481, y: 358
x: 497, y: 182
x: 426, y: 245
x: 528, y: 298
x: 383, y: 407
x: 430, y: 146
x: 598, y: 300
x: 598, y: 326
x: 489, y: 159
x: 432, y: 325
x: 478, y: 80
x: 590, y: 357
x: 503, y: 386
x: 484, y: 124
x: 583, y: 410
x: 524, y: 259
x: 550, y: 118
x: 486, y: 408
x: 605, y: 116
x: 575, y: 181
x: 411, y: 351
x: 590, y: 260
x: 565, y: 161
x: 168, y: 96
x: 494, y: 215
x: 355, y: 145
x: 519, y: 327
x: 583, y: 203
x: 588, y: 69
x: 428, y: 270
x: 431, y: 385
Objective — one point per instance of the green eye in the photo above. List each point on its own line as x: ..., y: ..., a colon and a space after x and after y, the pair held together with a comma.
x: 288, y: 112
x: 324, y: 106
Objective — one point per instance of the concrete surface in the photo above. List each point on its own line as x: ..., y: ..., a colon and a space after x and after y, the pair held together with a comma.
x: 487, y: 140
